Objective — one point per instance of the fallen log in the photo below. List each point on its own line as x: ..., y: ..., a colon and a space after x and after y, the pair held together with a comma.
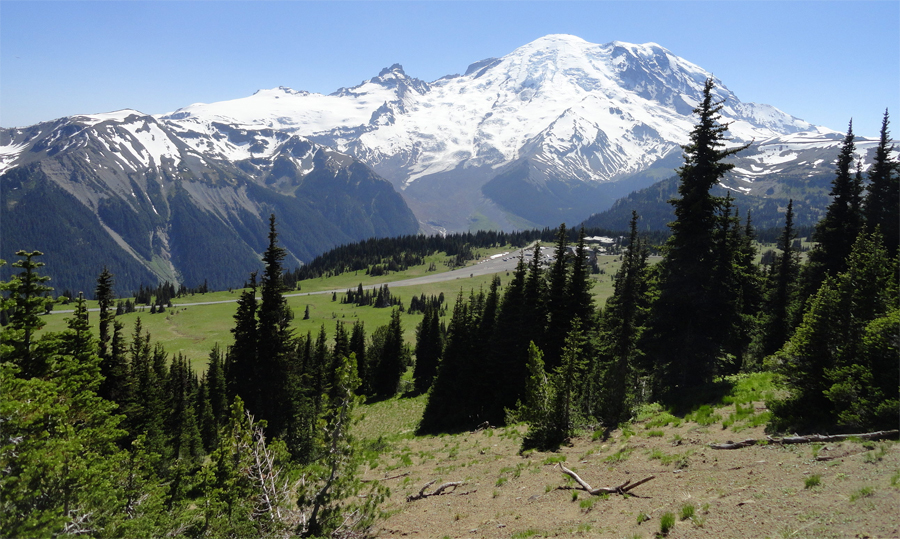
x: 437, y: 492
x: 620, y: 489
x: 404, y: 474
x: 812, y: 438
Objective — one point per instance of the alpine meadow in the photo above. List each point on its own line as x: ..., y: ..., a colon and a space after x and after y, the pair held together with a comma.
x: 538, y: 299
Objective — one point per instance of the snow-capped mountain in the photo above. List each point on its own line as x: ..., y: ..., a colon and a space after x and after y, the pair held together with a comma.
x: 554, y: 131
x: 551, y: 124
x: 184, y: 202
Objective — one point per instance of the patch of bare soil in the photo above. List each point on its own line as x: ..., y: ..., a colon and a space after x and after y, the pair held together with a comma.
x: 846, y: 489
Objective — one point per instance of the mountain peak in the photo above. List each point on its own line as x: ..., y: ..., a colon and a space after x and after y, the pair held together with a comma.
x: 395, y: 71
x: 555, y: 39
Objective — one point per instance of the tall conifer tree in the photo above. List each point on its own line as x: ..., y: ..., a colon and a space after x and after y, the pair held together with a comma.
x: 779, y: 308
x: 614, y: 390
x: 558, y: 306
x: 274, y: 336
x: 242, y: 370
x: 428, y: 349
x: 683, y: 339
x: 837, y: 231
x: 881, y: 205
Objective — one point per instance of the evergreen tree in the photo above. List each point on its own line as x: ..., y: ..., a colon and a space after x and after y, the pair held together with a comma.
x: 454, y: 402
x: 683, y: 340
x: 779, y: 307
x: 614, y: 391
x: 216, y: 386
x: 331, y: 495
x: 392, y: 360
x: 209, y: 427
x: 578, y: 290
x: 113, y: 366
x: 837, y: 231
x: 27, y: 290
x: 273, y: 337
x: 517, y: 325
x: 559, y: 308
x: 428, y: 349
x: 839, y: 366
x: 242, y: 369
x: 881, y: 205
x: 358, y: 348
x: 182, y: 425
x: 146, y: 411
x: 533, y: 318
x: 553, y: 411
x: 104, y: 294
x: 117, y: 383
x: 63, y: 470
x: 340, y: 351
x: 734, y: 288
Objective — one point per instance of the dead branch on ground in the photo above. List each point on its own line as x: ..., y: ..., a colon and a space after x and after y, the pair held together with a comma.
x: 437, y: 492
x: 398, y: 476
x: 620, y: 489
x: 812, y: 438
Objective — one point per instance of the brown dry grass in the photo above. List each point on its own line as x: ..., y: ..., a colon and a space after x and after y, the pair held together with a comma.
x: 757, y: 491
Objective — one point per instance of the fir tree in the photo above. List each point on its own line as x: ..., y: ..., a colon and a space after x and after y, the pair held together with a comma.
x: 454, y: 402
x: 734, y: 287
x: 242, y: 376
x: 578, y: 290
x: 182, y: 425
x: 559, y: 308
x: 534, y: 295
x: 881, y: 205
x: 216, y: 385
x: 27, y: 290
x: 553, y: 411
x: 516, y: 326
x: 104, y: 294
x: 837, y: 231
x: 358, y: 348
x: 392, y: 360
x: 428, y: 350
x: 683, y: 339
x: 614, y: 392
x: 779, y: 307
x: 146, y: 411
x: 273, y: 337
x: 113, y: 365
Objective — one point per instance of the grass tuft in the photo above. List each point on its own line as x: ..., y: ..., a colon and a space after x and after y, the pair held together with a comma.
x: 812, y: 481
x: 864, y: 492
x: 666, y: 523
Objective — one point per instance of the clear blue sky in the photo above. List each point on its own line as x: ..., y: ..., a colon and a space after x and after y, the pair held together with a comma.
x: 823, y: 61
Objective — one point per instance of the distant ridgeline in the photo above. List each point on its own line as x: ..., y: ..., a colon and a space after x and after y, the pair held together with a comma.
x: 810, y: 196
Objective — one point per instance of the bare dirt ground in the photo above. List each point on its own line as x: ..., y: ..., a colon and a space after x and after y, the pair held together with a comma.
x: 847, y: 489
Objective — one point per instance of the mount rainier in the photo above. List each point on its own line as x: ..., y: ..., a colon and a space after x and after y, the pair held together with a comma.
x: 554, y: 131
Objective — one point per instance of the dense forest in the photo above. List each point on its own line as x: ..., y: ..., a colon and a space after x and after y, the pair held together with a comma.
x: 107, y: 435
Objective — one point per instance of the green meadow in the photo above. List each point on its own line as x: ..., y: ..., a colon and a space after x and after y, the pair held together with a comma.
x: 193, y: 330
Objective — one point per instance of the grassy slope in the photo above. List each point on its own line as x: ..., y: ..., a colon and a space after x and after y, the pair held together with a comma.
x: 193, y: 330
